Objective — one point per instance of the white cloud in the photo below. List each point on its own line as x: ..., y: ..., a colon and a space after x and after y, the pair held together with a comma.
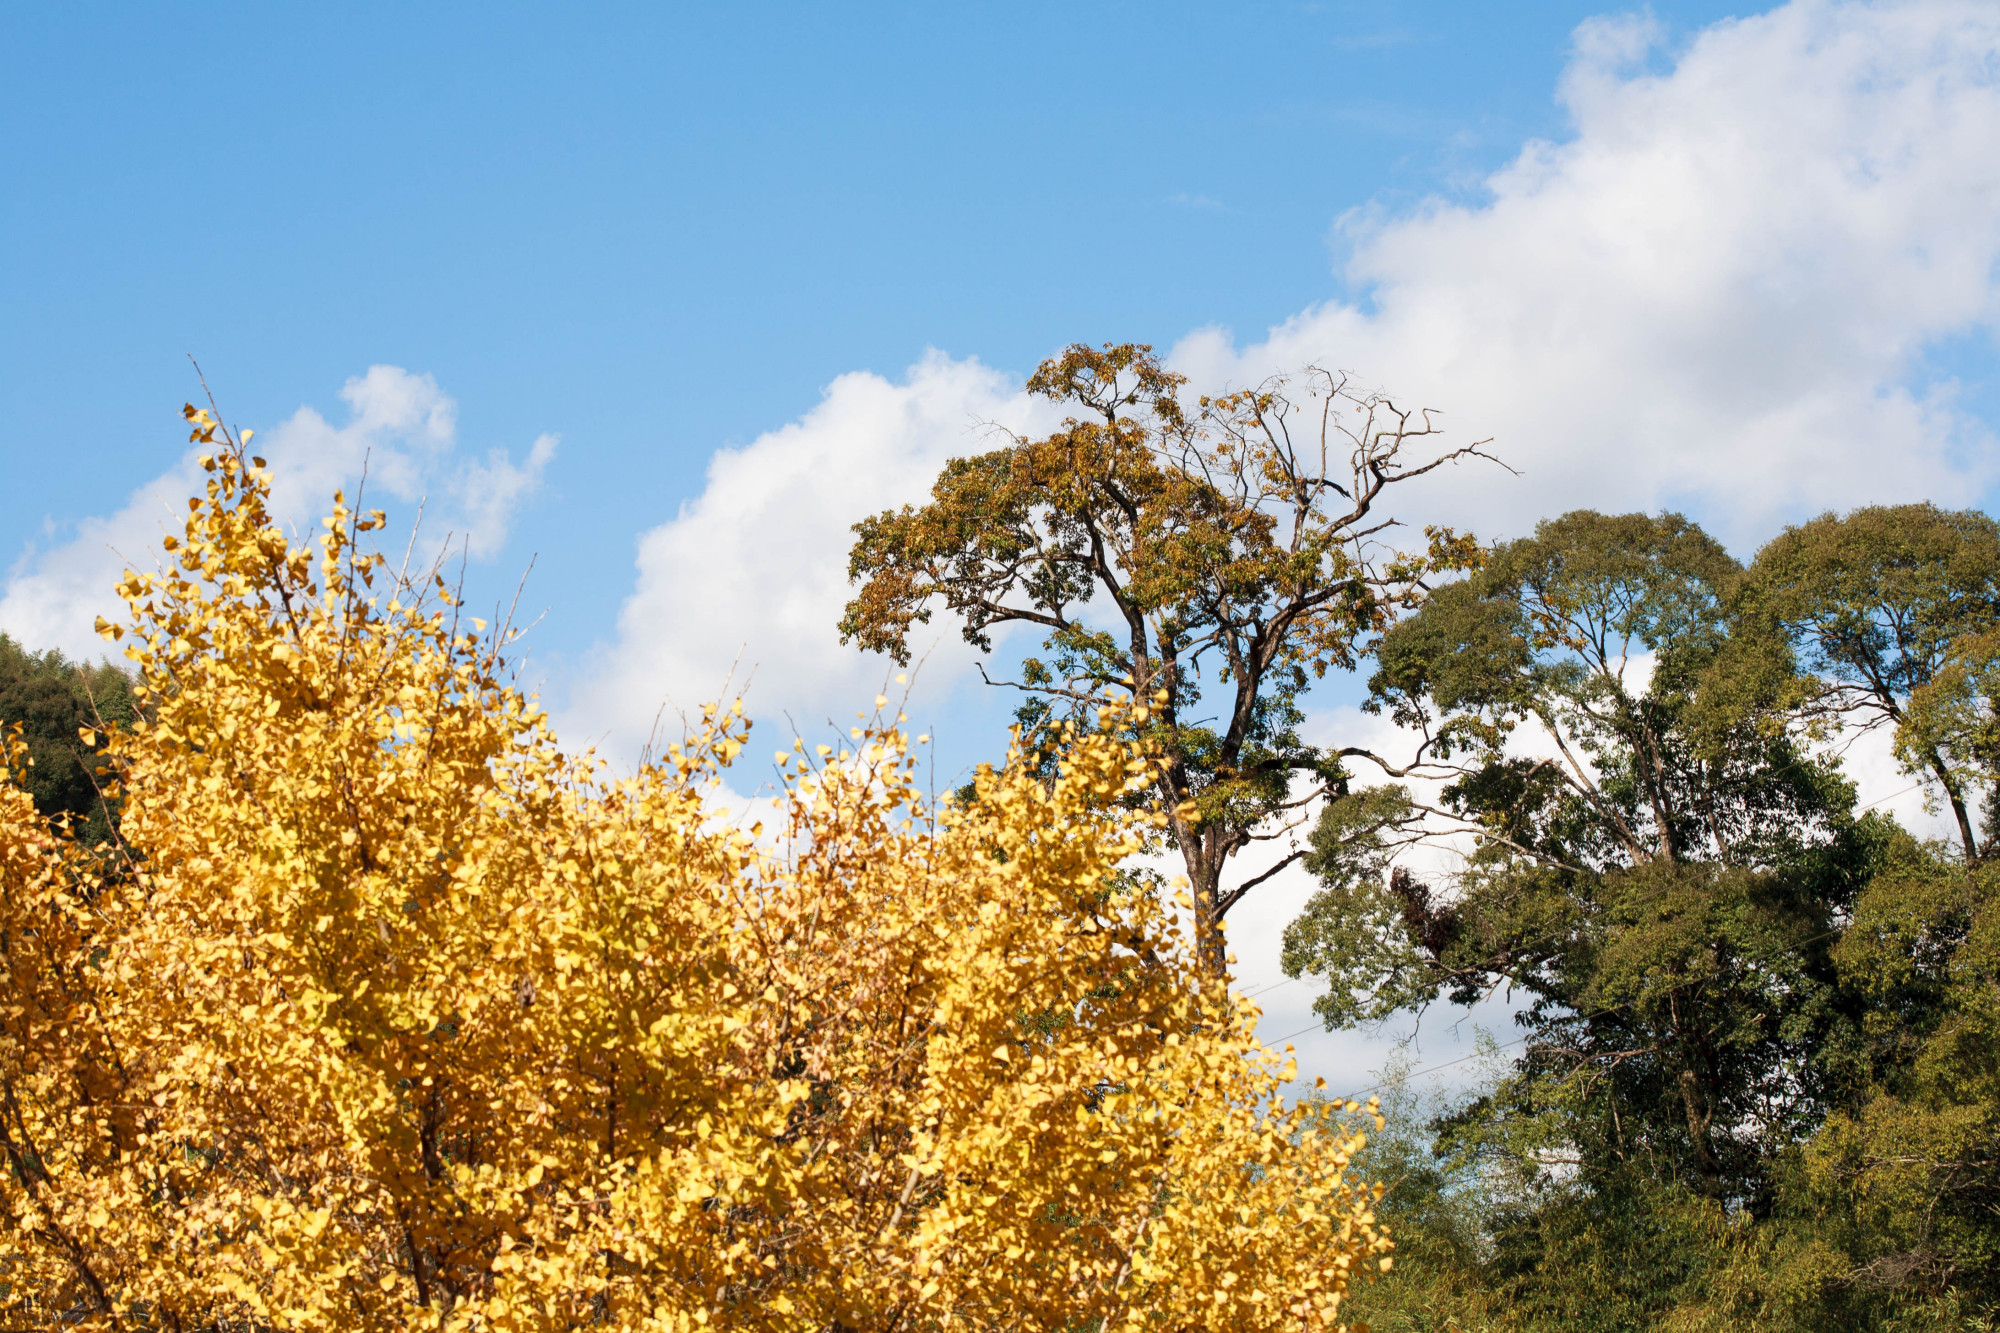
x: 751, y: 577
x: 488, y: 493
x: 1881, y: 783
x: 1717, y: 294
x: 400, y: 427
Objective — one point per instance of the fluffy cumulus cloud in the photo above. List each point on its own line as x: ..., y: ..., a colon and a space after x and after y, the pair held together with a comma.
x: 400, y: 428
x: 1720, y: 293
x: 746, y: 584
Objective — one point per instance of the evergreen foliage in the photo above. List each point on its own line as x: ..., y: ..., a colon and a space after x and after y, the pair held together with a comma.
x: 55, y: 701
x: 1761, y: 1081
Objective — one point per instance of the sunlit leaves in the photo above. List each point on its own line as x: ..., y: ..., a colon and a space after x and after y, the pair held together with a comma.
x: 386, y: 1013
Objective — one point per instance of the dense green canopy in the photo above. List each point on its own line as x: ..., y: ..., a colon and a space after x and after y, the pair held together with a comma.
x: 1761, y: 1081
x: 54, y: 701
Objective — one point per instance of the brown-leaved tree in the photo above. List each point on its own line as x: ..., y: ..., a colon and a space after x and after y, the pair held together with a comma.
x: 1212, y: 560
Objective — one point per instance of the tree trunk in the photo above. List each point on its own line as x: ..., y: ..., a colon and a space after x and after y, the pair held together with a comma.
x: 1201, y: 852
x: 1957, y: 800
x: 1204, y: 852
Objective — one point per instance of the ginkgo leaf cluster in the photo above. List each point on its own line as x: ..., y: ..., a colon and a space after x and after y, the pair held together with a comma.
x: 382, y: 1011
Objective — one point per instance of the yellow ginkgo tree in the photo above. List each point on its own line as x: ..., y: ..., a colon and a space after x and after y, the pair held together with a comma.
x: 383, y: 1012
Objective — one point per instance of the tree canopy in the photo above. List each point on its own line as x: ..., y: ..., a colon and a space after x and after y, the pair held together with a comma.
x: 1236, y: 548
x: 1876, y: 600
x: 385, y: 1012
x: 1758, y: 1081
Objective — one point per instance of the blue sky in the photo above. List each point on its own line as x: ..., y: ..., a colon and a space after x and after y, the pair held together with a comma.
x: 718, y: 281
x: 660, y: 229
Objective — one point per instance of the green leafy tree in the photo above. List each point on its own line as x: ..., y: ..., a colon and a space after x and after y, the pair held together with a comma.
x: 1903, y: 1182
x: 1659, y: 861
x: 1875, y: 600
x: 1212, y: 559
x: 1603, y: 718
x: 1439, y: 1207
x: 56, y: 702
x: 1762, y: 1060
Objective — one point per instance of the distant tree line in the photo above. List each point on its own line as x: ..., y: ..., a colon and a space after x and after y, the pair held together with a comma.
x: 55, y: 701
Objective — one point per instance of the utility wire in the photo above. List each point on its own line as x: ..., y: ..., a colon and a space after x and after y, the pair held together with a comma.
x: 1557, y: 934
x: 1891, y: 796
